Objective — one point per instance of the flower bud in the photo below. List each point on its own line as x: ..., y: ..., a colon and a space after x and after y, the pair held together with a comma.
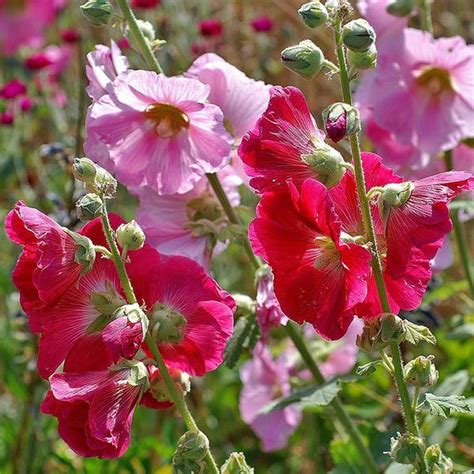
x: 421, y: 372
x: 437, y: 462
x: 327, y: 163
x: 134, y: 314
x: 394, y: 195
x: 363, y: 59
x: 84, y: 170
x: 168, y: 324
x: 236, y: 464
x: 392, y: 328
x: 85, y: 251
x: 103, y: 184
x: 98, y: 12
x: 358, y: 35
x: 407, y: 449
x: 314, y: 14
x: 305, y: 58
x: 158, y: 388
x: 369, y: 339
x: 190, y: 453
x: 89, y: 207
x: 147, y: 29
x: 130, y: 236
x: 401, y: 7
x: 341, y: 119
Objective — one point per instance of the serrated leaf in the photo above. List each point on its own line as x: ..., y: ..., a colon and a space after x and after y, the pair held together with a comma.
x: 369, y: 368
x: 414, y: 333
x: 445, y: 406
x: 313, y: 395
x: 244, y: 338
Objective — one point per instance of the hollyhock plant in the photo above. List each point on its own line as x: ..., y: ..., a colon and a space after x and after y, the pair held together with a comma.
x: 145, y: 4
x: 13, y: 89
x: 159, y: 131
x: 211, y: 28
x: 241, y: 99
x: 188, y: 224
x: 262, y: 24
x: 95, y: 408
x: 286, y: 143
x: 319, y: 275
x: 427, y: 86
x: 52, y: 261
x: 265, y: 380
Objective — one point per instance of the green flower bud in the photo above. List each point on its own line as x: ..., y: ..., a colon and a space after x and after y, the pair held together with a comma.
x: 392, y: 328
x: 369, y: 340
x: 190, y: 453
x: 340, y: 120
x: 236, y: 464
x: 358, y: 35
x: 401, y: 7
x: 314, y: 14
x: 327, y: 163
x: 421, y: 372
x: 159, y: 390
x: 305, y: 58
x: 85, y: 251
x: 84, y: 170
x: 168, y: 324
x: 363, y: 59
x: 103, y: 184
x: 130, y: 236
x: 437, y: 462
x: 89, y: 207
x: 98, y: 12
x: 134, y: 314
x: 407, y: 449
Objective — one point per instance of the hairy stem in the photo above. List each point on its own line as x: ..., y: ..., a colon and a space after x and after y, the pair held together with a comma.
x: 426, y: 20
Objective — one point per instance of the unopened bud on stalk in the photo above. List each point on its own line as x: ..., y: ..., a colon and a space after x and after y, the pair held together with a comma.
x: 421, y: 372
x: 104, y: 183
x: 437, y: 462
x: 98, y: 12
x: 363, y: 59
x: 130, y: 236
x: 305, y: 58
x: 84, y: 170
x: 236, y: 464
x: 407, y: 449
x: 392, y: 328
x: 158, y: 388
x: 358, y: 35
x: 401, y: 7
x: 89, y: 207
x: 369, y: 339
x: 190, y: 453
x: 314, y: 14
x: 341, y: 119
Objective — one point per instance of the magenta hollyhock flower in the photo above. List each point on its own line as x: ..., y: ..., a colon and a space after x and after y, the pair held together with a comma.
x: 159, y: 131
x: 145, y: 4
x: 319, y: 275
x: 241, y: 99
x: 53, y: 59
x: 70, y: 35
x: 48, y: 266
x: 186, y: 224
x: 26, y: 104
x: 7, y: 118
x: 211, y: 27
x: 265, y: 380
x: 13, y: 89
x: 262, y: 24
x: 428, y: 90
x: 22, y: 23
x: 95, y: 408
x: 105, y: 64
x: 276, y: 148
x: 178, y: 292
x: 269, y: 313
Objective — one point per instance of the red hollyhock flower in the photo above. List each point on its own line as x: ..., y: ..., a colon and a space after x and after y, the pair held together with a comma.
x: 211, y: 27
x: 191, y: 315
x: 95, y: 409
x: 145, y: 4
x: 319, y: 275
x: 283, y: 143
x: 52, y: 261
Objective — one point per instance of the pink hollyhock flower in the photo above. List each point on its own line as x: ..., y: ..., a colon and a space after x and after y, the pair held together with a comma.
x: 262, y: 24
x: 211, y: 27
x: 95, y: 409
x: 52, y: 260
x: 269, y: 313
x: 105, y: 64
x: 145, y: 4
x: 428, y: 88
x: 319, y: 276
x: 282, y: 143
x: 187, y: 224
x: 26, y: 104
x: 241, y: 99
x: 159, y: 131
x: 190, y: 315
x: 22, y: 23
x: 265, y: 380
x: 13, y: 89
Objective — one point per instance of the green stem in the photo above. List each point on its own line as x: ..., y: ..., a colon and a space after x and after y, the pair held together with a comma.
x: 459, y: 234
x: 416, y: 397
x: 426, y: 20
x: 177, y: 397
x: 336, y: 404
x: 409, y: 415
x: 147, y: 52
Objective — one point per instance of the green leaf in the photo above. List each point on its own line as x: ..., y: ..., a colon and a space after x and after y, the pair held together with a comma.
x: 369, y: 368
x: 455, y: 384
x: 246, y: 334
x: 414, y: 333
x: 445, y: 291
x: 313, y: 395
x: 445, y: 406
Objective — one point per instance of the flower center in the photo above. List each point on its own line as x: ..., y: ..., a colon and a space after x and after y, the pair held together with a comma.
x: 329, y: 252
x: 168, y: 119
x: 435, y: 80
x: 167, y: 323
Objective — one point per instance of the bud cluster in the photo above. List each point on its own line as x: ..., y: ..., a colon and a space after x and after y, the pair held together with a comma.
x: 340, y: 120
